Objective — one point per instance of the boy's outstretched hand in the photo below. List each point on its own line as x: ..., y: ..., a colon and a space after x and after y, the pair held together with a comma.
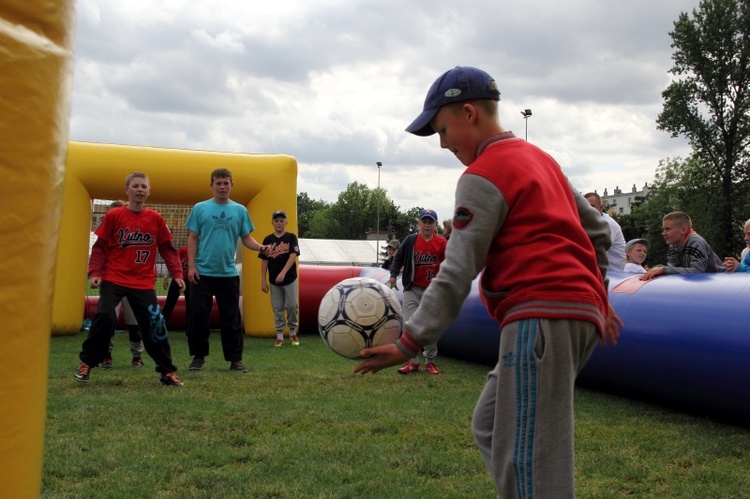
x: 612, y: 328
x: 378, y: 358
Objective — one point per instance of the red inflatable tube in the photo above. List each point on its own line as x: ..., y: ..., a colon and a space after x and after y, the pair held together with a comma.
x: 314, y: 283
x: 176, y: 321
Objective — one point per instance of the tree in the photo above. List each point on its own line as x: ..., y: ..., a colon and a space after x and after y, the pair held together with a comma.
x: 322, y: 225
x: 351, y: 211
x: 709, y: 103
x: 675, y: 188
x: 306, y: 210
x: 354, y: 213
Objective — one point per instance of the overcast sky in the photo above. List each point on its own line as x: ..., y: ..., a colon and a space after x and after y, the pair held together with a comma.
x: 335, y: 82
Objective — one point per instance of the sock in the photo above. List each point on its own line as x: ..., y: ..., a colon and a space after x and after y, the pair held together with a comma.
x: 292, y: 332
x: 280, y: 335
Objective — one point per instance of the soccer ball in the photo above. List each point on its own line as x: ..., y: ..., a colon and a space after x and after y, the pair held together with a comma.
x: 358, y: 313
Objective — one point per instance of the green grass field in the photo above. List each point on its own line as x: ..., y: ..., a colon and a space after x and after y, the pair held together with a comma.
x: 300, y: 425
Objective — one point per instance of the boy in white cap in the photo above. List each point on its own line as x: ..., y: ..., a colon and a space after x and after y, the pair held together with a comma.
x: 636, y: 251
x: 542, y: 252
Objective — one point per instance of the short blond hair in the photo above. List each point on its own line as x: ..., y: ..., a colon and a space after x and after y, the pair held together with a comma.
x: 679, y: 217
x: 489, y: 106
x: 133, y: 175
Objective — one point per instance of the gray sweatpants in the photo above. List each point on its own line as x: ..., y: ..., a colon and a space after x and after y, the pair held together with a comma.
x: 284, y: 299
x: 523, y: 421
x: 412, y: 298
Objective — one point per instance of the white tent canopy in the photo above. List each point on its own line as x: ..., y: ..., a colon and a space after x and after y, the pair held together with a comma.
x: 339, y: 252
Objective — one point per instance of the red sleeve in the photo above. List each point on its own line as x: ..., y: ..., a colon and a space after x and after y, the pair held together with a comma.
x: 97, y: 258
x: 407, y: 343
x: 172, y: 259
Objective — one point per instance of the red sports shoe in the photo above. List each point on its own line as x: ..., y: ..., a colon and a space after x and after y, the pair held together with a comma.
x: 432, y: 368
x: 410, y: 367
x: 170, y: 379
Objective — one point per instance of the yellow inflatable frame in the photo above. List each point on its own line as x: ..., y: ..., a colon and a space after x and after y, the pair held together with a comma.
x: 264, y: 183
x: 46, y: 206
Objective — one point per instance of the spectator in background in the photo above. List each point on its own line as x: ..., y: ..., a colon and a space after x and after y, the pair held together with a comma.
x: 636, y: 251
x: 390, y: 252
x: 732, y: 264
x: 616, y: 253
x: 447, y: 227
x: 688, y: 252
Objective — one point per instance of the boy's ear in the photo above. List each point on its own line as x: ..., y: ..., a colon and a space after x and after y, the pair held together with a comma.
x: 469, y: 108
x: 471, y: 112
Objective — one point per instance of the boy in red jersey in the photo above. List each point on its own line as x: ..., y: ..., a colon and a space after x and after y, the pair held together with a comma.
x: 420, y: 256
x: 542, y: 251
x: 123, y: 264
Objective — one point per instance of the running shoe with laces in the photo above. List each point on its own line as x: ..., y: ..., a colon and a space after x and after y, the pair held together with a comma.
x: 432, y: 368
x: 107, y: 363
x: 295, y: 340
x: 278, y: 343
x: 197, y: 364
x: 237, y: 365
x: 137, y: 362
x: 410, y: 367
x: 171, y: 379
x: 82, y: 373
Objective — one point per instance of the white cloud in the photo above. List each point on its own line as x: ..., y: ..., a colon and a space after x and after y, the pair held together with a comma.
x: 334, y: 83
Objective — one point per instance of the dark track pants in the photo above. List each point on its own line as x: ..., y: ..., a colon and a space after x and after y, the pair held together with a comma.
x: 227, y: 293
x: 96, y: 345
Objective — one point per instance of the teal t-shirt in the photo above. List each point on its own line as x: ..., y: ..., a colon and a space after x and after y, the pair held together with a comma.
x: 218, y: 226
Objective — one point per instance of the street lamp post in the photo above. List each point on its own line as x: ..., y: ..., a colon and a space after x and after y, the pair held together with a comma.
x: 377, y: 238
x: 526, y: 113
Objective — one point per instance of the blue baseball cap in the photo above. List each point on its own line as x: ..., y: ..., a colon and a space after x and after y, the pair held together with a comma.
x: 459, y: 84
x: 428, y: 214
x: 278, y: 214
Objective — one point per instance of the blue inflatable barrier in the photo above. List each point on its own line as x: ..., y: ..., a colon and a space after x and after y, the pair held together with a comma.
x: 686, y: 342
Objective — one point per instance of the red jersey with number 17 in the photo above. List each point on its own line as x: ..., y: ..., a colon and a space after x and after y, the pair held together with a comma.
x: 132, y: 239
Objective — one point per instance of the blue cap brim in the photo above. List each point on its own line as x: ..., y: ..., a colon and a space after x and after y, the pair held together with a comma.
x: 421, y: 126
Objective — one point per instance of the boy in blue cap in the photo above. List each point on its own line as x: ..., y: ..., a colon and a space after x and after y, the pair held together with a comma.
x: 542, y: 252
x: 420, y: 256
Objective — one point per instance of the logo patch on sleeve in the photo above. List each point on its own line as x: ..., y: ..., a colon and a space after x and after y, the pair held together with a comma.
x: 462, y: 218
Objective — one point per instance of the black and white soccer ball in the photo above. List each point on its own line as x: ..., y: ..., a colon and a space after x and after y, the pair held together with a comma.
x: 358, y: 313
